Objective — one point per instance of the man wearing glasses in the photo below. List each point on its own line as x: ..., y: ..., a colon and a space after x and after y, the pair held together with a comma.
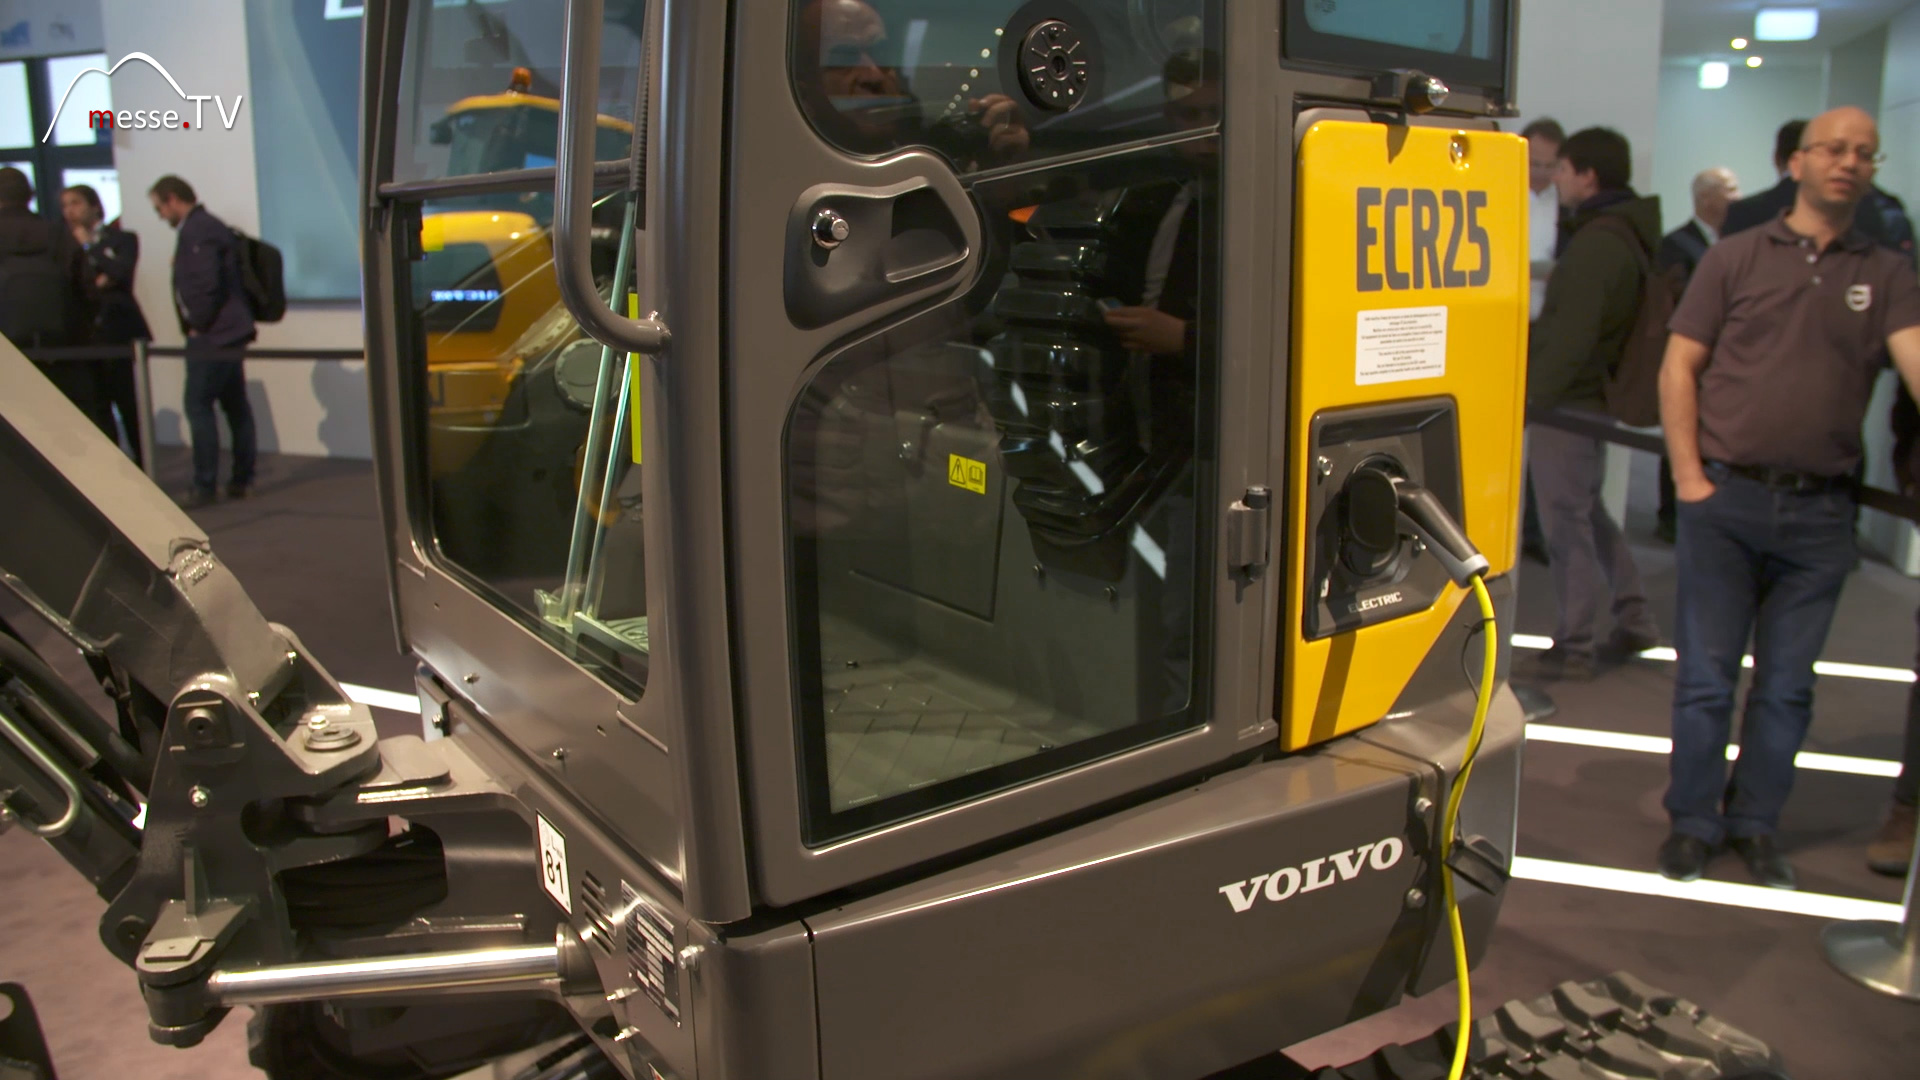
x: 1880, y: 216
x: 1773, y: 357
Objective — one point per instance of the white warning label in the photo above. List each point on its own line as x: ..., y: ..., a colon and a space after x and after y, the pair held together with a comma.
x: 1398, y: 344
x: 553, y: 864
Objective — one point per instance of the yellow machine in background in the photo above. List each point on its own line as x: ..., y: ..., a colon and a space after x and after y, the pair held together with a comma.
x: 495, y: 313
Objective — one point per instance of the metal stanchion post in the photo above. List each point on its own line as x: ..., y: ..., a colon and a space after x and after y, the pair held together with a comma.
x: 1881, y: 955
x: 143, y: 399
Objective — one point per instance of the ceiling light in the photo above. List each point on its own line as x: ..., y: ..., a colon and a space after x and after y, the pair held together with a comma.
x: 1753, y: 61
x: 1713, y: 75
x: 1739, y: 43
x: 1786, y: 24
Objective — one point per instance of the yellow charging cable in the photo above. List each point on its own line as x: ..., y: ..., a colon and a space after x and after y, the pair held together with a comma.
x: 1451, y: 822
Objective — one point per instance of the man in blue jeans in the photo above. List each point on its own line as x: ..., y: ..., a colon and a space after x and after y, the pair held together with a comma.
x: 1773, y: 357
x: 212, y: 304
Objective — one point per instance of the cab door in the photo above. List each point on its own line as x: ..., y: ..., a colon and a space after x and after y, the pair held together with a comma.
x: 981, y: 436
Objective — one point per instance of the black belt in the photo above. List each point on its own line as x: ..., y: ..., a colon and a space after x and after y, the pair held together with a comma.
x: 1794, y: 483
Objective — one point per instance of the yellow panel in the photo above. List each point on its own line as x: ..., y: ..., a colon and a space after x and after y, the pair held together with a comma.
x: 1469, y: 191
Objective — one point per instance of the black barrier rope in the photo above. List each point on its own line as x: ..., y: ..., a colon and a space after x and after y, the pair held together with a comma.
x: 1599, y: 427
x: 126, y: 352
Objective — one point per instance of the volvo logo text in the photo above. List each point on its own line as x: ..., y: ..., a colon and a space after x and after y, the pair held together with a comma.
x: 1314, y: 874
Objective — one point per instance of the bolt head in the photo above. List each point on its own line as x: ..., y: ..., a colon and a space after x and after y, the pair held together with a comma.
x: 318, y: 723
x: 1423, y: 806
x: 1416, y: 898
x: 830, y: 230
x: 199, y: 797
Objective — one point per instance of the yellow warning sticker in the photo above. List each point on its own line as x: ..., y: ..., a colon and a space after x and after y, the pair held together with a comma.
x: 967, y: 473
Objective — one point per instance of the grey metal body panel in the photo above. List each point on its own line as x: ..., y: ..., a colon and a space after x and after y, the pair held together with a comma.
x: 593, y: 852
x: 1112, y: 949
x: 754, y: 995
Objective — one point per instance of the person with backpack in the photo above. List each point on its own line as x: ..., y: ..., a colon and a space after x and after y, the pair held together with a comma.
x: 42, y: 295
x: 1582, y: 338
x: 210, y: 297
x: 1773, y: 359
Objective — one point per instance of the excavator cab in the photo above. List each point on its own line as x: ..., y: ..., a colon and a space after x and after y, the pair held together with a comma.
x: 971, y: 579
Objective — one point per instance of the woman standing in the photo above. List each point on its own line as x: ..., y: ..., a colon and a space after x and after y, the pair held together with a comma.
x: 111, y: 254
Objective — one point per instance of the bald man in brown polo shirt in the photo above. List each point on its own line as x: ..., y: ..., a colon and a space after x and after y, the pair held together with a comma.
x: 1773, y: 356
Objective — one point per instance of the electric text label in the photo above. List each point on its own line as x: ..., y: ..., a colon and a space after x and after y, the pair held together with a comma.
x: 1420, y: 211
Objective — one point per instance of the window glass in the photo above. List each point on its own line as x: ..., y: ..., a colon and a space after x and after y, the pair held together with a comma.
x: 534, y: 496
x: 986, y: 82
x: 1458, y: 40
x: 480, y: 86
x: 303, y: 71
x: 992, y: 509
x: 1433, y: 25
x: 90, y: 93
x: 16, y: 119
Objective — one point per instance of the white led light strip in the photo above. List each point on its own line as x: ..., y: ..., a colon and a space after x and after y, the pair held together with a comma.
x: 1820, y: 667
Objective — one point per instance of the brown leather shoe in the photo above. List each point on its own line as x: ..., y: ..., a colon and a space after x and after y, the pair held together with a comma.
x: 1891, y: 852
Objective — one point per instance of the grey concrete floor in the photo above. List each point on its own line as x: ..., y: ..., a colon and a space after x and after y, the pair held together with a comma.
x: 308, y: 547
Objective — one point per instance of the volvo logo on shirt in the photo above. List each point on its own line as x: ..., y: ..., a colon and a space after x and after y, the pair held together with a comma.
x: 1859, y: 297
x: 1439, y: 224
x: 1314, y: 874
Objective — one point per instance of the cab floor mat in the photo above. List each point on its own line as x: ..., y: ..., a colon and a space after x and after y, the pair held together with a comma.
x: 1616, y: 1028
x: 898, y: 722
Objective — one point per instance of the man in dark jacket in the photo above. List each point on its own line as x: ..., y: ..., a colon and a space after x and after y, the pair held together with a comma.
x: 1593, y: 298
x: 212, y: 304
x: 42, y: 305
x: 111, y: 253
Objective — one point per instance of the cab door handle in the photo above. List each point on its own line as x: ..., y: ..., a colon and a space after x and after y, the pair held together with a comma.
x: 850, y: 248
x: 573, y: 189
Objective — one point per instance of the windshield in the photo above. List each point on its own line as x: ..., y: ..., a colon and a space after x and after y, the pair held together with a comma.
x: 1460, y: 41
x: 506, y: 54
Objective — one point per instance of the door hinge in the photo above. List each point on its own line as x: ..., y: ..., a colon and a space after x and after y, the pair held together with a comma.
x: 1248, y: 526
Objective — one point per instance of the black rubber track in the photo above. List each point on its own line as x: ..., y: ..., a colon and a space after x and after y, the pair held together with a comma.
x: 1616, y: 1028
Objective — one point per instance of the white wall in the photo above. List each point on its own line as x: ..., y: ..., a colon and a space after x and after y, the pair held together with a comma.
x: 1732, y: 127
x: 1587, y: 63
x: 1900, y: 138
x: 1900, y: 106
x: 301, y: 407
x: 1856, y: 71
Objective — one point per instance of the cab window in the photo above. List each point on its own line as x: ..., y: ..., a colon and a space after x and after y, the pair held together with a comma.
x: 968, y: 80
x: 1460, y: 41
x: 531, y: 490
x: 998, y: 562
x: 480, y: 86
